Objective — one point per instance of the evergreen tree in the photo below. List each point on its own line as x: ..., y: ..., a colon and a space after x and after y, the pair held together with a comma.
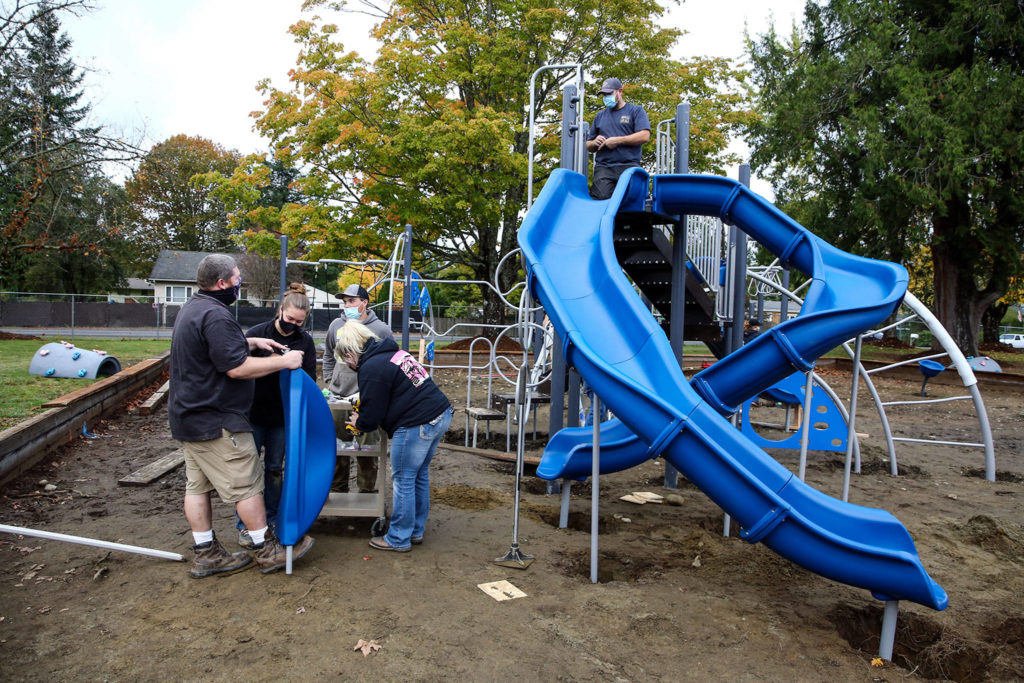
x: 48, y: 152
x: 888, y: 124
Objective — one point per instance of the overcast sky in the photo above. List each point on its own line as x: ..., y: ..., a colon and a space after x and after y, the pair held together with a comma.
x: 157, y: 69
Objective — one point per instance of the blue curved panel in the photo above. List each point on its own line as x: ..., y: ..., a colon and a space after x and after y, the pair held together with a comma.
x: 627, y: 360
x: 309, y: 457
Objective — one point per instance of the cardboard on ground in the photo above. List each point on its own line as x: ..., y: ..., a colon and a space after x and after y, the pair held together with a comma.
x: 641, y: 497
x: 501, y: 590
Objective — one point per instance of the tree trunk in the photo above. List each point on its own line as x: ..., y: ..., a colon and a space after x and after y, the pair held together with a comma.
x: 991, y: 320
x: 956, y: 296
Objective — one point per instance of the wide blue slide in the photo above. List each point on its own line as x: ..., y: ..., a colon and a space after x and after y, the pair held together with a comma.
x: 616, y: 345
x: 309, y: 455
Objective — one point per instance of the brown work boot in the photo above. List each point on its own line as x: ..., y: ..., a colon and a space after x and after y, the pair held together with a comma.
x: 271, y: 556
x: 211, y: 558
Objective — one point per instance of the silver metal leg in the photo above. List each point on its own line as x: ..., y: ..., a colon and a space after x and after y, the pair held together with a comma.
x: 888, y: 638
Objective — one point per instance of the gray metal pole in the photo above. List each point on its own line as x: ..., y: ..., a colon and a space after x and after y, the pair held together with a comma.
x: 407, y: 294
x: 784, y: 306
x: 574, y: 398
x: 677, y: 306
x: 284, y: 266
x: 739, y: 282
x: 683, y: 137
x: 570, y: 127
x: 888, y: 637
x: 851, y: 429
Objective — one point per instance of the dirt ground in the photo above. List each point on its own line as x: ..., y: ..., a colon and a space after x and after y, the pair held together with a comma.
x: 676, y: 600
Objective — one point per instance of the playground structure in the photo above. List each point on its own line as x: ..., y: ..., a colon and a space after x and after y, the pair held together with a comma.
x: 701, y: 425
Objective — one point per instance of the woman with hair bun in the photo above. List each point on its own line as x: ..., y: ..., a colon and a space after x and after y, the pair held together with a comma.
x: 267, y: 411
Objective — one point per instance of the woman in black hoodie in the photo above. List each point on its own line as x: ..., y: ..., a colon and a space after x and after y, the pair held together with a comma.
x: 396, y: 393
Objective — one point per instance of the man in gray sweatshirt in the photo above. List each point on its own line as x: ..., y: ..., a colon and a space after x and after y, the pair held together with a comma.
x: 343, y: 383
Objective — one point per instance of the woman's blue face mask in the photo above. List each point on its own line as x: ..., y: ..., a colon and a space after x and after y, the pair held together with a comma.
x: 609, y: 100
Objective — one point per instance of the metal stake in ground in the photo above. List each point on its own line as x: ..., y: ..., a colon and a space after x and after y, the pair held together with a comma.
x: 93, y: 542
x: 514, y: 557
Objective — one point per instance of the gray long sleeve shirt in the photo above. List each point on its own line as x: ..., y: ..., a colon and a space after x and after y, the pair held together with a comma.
x: 339, y: 378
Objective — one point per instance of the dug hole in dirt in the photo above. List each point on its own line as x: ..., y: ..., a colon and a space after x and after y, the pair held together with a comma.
x: 676, y: 600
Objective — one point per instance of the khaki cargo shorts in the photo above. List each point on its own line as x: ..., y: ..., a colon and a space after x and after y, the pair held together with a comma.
x: 230, y: 465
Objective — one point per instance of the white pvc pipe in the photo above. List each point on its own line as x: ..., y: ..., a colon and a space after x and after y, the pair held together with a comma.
x: 107, y: 545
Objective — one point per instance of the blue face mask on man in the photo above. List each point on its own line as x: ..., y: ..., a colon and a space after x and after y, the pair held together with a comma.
x: 352, y: 313
x: 610, y: 101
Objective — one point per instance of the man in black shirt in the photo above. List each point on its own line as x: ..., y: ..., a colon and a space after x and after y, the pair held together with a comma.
x: 211, y: 389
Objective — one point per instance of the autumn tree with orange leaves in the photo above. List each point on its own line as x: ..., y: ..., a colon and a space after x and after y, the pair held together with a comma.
x: 434, y: 132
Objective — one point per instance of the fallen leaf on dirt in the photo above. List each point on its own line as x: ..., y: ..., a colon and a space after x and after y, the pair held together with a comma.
x: 301, y: 610
x: 696, y: 562
x: 44, y: 610
x: 366, y: 557
x: 366, y: 646
x: 877, y: 661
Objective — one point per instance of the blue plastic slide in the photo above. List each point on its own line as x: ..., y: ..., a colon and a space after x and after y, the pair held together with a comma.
x: 617, y: 346
x: 309, y: 455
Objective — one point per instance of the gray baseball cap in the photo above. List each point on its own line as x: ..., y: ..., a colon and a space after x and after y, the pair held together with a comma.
x: 610, y: 85
x: 354, y: 290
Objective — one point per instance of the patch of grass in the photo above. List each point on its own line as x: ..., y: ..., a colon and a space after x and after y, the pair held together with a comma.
x: 21, y: 394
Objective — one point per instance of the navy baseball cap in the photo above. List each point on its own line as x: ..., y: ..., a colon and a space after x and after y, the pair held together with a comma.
x: 610, y: 85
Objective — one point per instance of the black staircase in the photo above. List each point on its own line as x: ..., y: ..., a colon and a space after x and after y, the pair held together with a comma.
x: 645, y: 253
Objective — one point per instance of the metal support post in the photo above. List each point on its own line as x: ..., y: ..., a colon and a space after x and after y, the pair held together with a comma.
x: 595, y: 477
x: 739, y: 282
x: 570, y: 127
x: 851, y: 427
x: 888, y: 637
x: 677, y: 307
x: 407, y: 294
x: 284, y: 266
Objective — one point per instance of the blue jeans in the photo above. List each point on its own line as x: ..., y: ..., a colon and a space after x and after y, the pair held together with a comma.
x: 269, y: 440
x: 412, y: 449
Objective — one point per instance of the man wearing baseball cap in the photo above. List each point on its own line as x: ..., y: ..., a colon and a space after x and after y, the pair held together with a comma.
x: 616, y: 137
x: 343, y: 383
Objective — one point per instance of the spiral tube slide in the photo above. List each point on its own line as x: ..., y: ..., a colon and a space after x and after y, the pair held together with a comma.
x: 617, y: 346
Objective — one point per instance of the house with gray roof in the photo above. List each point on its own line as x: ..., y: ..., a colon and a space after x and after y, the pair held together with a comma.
x: 174, y: 275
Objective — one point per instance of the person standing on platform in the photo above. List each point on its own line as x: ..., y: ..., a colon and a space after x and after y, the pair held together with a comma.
x: 616, y: 137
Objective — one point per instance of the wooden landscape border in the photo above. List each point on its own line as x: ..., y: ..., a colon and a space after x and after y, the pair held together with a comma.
x: 26, y: 443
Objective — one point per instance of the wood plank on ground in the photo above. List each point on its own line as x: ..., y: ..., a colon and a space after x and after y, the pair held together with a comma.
x: 154, y: 470
x: 490, y: 453
x: 156, y: 400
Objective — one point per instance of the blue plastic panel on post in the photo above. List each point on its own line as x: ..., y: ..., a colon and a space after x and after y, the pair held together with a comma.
x: 309, y: 458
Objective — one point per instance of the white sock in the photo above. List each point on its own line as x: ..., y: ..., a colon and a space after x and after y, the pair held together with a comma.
x: 258, y: 535
x: 202, y: 537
